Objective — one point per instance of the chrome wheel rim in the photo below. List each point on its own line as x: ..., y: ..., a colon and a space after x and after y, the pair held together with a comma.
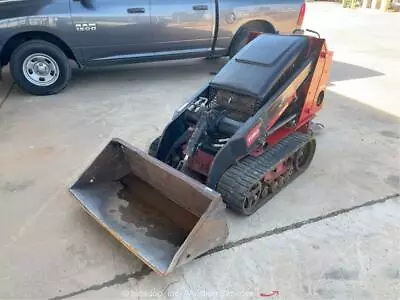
x: 40, y: 69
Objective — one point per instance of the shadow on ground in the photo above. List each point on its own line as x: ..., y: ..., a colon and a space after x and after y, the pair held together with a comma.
x: 148, y: 71
x: 342, y: 71
x: 181, y: 70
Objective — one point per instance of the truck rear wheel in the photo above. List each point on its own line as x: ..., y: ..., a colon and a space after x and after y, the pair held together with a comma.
x: 40, y: 68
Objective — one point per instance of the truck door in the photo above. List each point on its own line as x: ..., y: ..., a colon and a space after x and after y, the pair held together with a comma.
x: 111, y: 30
x: 183, y: 25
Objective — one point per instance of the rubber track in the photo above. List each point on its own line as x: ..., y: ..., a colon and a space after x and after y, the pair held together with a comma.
x: 238, y: 179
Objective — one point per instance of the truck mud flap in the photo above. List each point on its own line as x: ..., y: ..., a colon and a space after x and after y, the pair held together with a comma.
x: 161, y: 215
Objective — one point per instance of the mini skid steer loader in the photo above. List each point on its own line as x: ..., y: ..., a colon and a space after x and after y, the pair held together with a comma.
x: 236, y: 143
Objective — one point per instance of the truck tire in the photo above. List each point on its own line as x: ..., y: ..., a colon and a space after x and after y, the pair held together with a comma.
x: 40, y: 68
x: 241, y: 37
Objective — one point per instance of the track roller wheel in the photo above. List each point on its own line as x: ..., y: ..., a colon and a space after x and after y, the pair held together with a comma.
x: 274, y: 186
x: 251, y: 199
x: 265, y: 191
x: 153, y: 148
x: 304, y: 156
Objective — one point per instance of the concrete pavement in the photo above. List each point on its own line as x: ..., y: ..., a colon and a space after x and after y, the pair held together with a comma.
x: 6, y: 85
x: 332, y: 234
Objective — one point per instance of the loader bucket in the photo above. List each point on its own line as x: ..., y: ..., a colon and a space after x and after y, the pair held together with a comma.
x: 161, y: 215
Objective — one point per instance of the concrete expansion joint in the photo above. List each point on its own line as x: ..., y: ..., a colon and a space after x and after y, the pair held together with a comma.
x: 144, y: 271
x: 7, y: 95
x: 297, y: 225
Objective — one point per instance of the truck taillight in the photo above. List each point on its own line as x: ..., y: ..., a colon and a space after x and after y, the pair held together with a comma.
x: 300, y: 19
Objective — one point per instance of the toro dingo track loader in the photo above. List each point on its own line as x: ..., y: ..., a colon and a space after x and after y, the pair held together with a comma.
x: 237, y: 142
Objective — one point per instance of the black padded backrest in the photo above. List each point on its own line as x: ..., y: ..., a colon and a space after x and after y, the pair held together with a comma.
x: 258, y: 66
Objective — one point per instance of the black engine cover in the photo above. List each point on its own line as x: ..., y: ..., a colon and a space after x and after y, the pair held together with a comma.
x: 254, y: 73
